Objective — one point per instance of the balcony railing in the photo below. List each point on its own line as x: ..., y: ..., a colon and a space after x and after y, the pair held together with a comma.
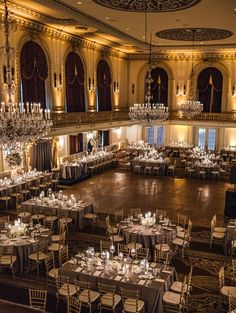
x: 92, y: 118
x: 211, y: 117
x: 87, y: 118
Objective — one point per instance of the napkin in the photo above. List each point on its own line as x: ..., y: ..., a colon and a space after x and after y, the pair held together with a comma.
x: 135, y: 262
x: 160, y: 280
x: 32, y: 240
x: 71, y: 261
x: 153, y: 264
x: 231, y: 226
x: 142, y: 282
x: 118, y: 278
x: 79, y: 269
x: 97, y: 273
x: 166, y: 271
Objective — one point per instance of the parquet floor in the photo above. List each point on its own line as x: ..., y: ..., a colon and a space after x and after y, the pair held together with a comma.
x: 113, y: 190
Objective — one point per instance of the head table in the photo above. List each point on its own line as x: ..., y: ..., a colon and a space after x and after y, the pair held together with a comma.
x: 150, y: 279
x: 76, y: 208
x: 23, y: 237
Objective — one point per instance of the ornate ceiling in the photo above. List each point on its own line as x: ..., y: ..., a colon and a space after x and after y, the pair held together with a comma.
x: 200, y: 34
x: 120, y: 24
x: 148, y: 5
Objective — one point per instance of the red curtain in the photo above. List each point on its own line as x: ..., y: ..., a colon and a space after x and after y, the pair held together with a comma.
x: 75, y: 99
x: 103, y: 86
x: 34, y: 72
x: 76, y: 143
x: 159, y: 86
x: 209, y: 85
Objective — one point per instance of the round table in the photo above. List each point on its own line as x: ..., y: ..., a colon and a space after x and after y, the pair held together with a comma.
x: 147, y: 236
x: 23, y: 246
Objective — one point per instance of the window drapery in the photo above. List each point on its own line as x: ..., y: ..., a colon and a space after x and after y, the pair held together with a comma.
x: 159, y: 86
x: 76, y: 143
x: 209, y: 85
x: 103, y: 86
x: 41, y: 156
x: 75, y: 97
x: 34, y: 72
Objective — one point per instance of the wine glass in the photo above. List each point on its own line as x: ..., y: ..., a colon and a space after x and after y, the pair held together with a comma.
x: 112, y: 250
x: 133, y: 253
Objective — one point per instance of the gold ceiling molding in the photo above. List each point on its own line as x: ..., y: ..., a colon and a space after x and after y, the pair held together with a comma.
x: 35, y: 27
x: 206, y: 57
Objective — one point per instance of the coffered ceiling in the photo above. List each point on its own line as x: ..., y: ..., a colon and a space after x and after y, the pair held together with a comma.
x: 121, y: 24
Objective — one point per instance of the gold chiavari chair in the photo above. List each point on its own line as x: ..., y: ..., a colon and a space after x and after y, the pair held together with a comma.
x: 131, y: 302
x: 109, y: 300
x: 174, y: 302
x: 225, y: 290
x: 123, y: 248
x: 161, y: 257
x: 105, y: 245
x: 87, y: 297
x: 232, y: 303
x: 161, y: 214
x: 7, y: 258
x: 135, y: 212
x: 64, y: 288
x: 38, y: 299
x: 133, y: 242
x: 39, y: 254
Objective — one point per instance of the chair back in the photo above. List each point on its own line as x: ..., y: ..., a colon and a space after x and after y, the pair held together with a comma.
x: 232, y: 303
x: 119, y: 215
x: 142, y: 253
x: 38, y: 298
x: 123, y: 248
x: 49, y: 261
x: 181, y: 220
x: 104, y: 245
x: 160, y: 213
x: 73, y: 305
x: 161, y: 256
x: 63, y: 255
x: 221, y: 277
x: 135, y: 212
x: 62, y: 284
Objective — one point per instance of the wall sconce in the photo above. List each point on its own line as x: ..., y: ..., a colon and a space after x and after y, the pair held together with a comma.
x: 233, y: 91
x: 12, y: 73
x: 91, y: 85
x: 181, y: 91
x: 116, y: 88
x: 58, y: 82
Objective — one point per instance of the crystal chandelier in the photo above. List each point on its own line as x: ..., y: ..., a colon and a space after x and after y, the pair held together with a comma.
x: 189, y: 108
x: 148, y: 113
x: 20, y: 124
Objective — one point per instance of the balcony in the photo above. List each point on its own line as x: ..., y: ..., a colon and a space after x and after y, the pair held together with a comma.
x: 121, y: 118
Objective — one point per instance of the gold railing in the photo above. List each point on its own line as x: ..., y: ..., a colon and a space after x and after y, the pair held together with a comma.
x: 92, y: 118
x: 211, y: 117
x: 89, y: 118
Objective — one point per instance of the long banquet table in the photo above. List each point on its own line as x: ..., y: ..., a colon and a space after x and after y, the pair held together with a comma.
x: 150, y: 291
x: 9, y: 187
x: 76, y: 212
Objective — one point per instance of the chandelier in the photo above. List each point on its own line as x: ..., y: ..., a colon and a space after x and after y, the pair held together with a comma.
x: 20, y: 124
x: 148, y: 113
x: 189, y: 108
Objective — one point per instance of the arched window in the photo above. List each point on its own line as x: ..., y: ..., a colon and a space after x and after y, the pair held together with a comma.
x: 159, y: 86
x: 75, y: 99
x: 34, y: 72
x: 103, y: 86
x: 209, y: 86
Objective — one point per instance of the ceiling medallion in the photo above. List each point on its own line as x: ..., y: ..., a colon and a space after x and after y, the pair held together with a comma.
x: 201, y: 34
x: 148, y: 5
